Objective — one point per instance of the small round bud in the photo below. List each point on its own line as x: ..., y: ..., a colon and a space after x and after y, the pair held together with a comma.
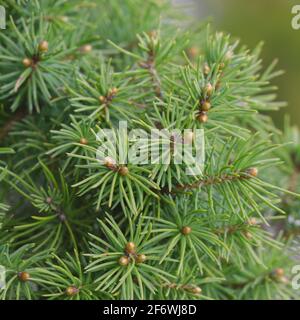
x: 186, y: 230
x: 43, y: 46
x: 152, y: 34
x: 196, y: 290
x: 83, y: 141
x: 189, y: 137
x: 24, y: 276
x: 71, y: 291
x: 109, y: 163
x: 49, y: 200
x: 130, y: 248
x: 279, y: 272
x: 123, y: 171
x: 202, y: 117
x: 248, y: 235
x: 62, y: 217
x: 87, y: 48
x: 102, y: 99
x: 27, y: 62
x: 205, y: 105
x: 141, y: 258
x: 252, y: 172
x: 113, y: 91
x: 64, y: 18
x: 206, y: 69
x: 208, y: 89
x: 193, y: 52
x: 252, y: 222
x: 124, y: 261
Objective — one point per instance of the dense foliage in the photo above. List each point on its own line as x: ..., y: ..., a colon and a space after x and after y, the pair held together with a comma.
x: 74, y: 228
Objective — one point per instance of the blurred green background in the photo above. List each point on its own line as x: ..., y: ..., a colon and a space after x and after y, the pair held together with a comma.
x: 270, y: 21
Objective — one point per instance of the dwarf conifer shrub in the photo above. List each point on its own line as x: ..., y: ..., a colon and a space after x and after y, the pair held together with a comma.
x: 76, y: 223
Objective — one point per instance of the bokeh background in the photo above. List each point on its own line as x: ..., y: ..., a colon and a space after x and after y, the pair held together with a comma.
x: 253, y: 21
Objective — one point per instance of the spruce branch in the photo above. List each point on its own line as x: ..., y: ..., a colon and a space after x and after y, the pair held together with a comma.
x: 21, y: 272
x: 32, y: 68
x: 127, y: 262
x: 79, y: 221
x: 65, y: 279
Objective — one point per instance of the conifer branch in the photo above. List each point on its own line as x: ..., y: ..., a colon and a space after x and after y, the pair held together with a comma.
x: 90, y: 212
x: 215, y: 180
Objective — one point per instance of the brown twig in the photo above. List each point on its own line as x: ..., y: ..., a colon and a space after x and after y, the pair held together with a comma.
x: 213, y: 180
x: 185, y: 287
x: 149, y: 64
x: 210, y: 181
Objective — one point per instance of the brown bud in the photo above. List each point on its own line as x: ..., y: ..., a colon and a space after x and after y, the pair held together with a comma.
x: 71, y: 291
x: 24, y: 276
x: 64, y: 18
x: 152, y: 34
x: 102, y: 99
x: 140, y: 258
x: 86, y: 48
x: 252, y: 172
x: 252, y: 222
x: 109, y: 163
x: 193, y: 52
x: 113, y: 91
x: 248, y: 235
x: 279, y: 272
x: 202, y: 117
x: 196, y: 290
x: 83, y: 141
x: 186, y: 230
x: 49, y: 200
x: 123, y: 171
x: 43, y: 46
x: 209, y: 89
x: 27, y: 62
x: 62, y: 217
x: 130, y: 248
x: 124, y: 261
x: 205, y: 105
x: 206, y: 69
